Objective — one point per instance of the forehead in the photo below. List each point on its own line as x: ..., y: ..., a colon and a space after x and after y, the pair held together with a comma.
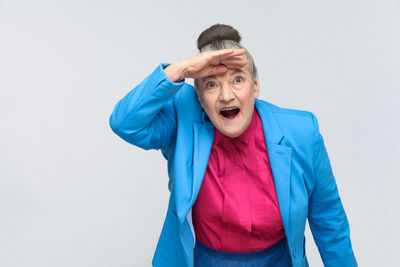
x: 229, y: 72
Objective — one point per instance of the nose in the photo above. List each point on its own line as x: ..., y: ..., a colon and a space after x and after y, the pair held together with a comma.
x: 226, y: 93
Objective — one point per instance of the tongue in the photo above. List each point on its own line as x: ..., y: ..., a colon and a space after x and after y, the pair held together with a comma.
x: 230, y: 114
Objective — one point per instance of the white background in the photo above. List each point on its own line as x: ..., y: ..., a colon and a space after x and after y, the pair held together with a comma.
x: 73, y: 194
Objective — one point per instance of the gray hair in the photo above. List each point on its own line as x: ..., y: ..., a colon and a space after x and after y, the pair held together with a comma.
x: 230, y: 44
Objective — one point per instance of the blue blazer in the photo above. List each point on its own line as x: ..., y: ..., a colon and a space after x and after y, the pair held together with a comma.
x: 160, y: 114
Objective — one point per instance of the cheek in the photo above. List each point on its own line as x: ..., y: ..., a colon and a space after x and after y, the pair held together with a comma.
x: 208, y: 99
x: 246, y: 97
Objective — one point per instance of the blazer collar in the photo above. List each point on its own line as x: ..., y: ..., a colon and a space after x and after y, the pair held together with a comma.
x: 272, y: 131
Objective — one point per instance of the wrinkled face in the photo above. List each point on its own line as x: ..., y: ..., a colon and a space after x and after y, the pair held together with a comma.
x: 228, y: 99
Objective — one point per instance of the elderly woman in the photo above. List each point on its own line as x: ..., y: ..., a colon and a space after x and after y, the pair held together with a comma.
x: 244, y: 174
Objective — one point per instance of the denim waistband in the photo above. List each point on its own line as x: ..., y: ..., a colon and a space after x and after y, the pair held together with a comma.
x: 274, y: 249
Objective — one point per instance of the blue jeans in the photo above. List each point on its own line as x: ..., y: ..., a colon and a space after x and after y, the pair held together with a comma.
x: 277, y: 256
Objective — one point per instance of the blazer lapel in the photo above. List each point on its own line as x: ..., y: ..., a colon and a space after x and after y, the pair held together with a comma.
x: 280, y: 157
x: 203, y: 140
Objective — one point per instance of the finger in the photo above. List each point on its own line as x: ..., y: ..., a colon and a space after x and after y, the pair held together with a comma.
x: 220, y: 53
x: 238, y: 52
x: 212, y: 70
x: 225, y: 53
x: 234, y: 63
x: 217, y: 61
x: 234, y: 58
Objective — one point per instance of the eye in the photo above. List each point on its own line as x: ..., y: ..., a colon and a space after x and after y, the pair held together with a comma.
x: 210, y: 84
x: 238, y: 79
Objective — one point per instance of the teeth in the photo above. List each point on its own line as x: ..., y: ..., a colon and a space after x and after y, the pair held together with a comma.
x: 227, y: 109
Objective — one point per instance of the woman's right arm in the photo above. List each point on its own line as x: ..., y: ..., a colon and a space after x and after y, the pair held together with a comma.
x: 146, y: 116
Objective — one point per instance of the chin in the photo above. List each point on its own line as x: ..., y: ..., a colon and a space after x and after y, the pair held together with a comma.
x: 232, y: 133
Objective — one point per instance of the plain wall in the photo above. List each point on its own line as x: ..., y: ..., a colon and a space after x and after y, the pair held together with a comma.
x: 72, y: 193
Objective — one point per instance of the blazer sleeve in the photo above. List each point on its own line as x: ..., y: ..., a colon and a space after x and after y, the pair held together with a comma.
x: 326, y: 216
x: 146, y: 116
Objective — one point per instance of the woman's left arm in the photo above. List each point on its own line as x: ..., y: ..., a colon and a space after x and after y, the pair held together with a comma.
x: 326, y: 216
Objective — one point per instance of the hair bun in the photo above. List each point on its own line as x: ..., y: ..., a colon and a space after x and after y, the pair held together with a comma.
x: 217, y: 32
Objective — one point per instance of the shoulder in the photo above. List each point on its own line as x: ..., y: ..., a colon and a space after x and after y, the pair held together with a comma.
x: 296, y: 124
x: 286, y: 115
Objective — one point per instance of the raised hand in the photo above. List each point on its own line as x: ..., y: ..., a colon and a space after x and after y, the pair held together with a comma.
x: 206, y: 63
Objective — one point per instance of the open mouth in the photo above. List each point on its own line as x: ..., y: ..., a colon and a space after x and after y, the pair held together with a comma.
x: 229, y: 112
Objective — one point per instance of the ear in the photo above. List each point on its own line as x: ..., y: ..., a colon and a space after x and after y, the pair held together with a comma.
x: 256, y: 87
